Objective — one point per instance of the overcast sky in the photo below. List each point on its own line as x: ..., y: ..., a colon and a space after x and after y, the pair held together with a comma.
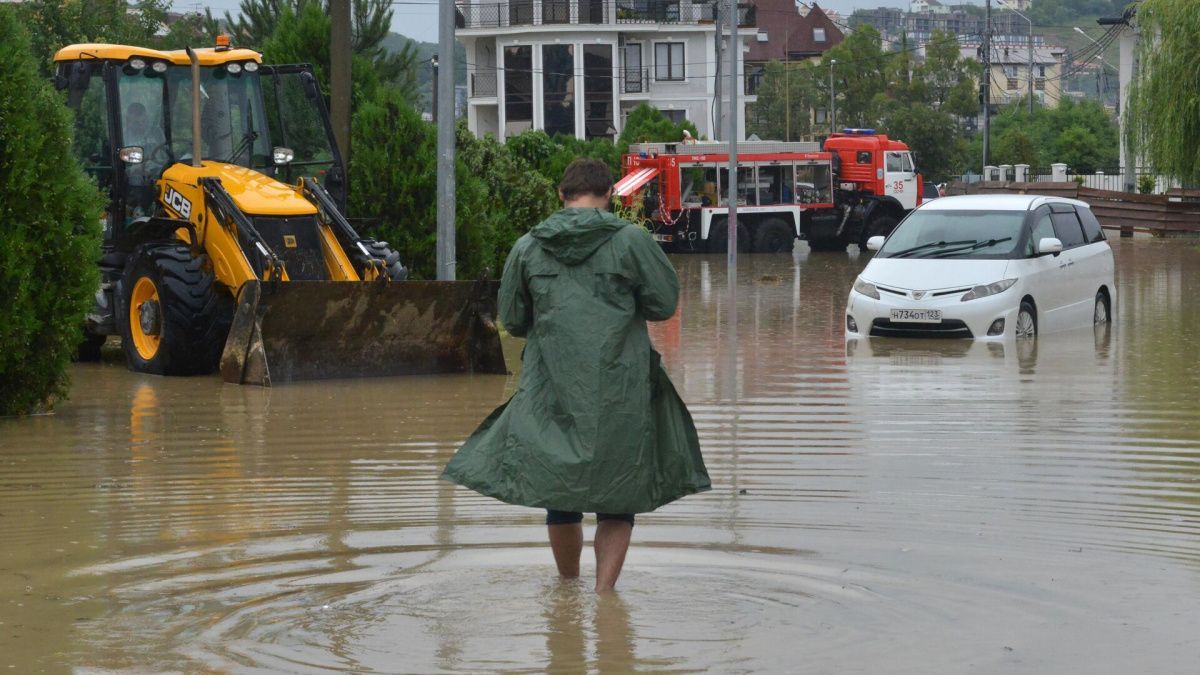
x: 418, y: 18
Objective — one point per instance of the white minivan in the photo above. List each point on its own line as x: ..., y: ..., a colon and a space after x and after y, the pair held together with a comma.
x: 985, y: 266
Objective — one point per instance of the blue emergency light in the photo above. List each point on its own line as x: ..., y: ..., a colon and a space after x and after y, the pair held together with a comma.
x: 859, y: 132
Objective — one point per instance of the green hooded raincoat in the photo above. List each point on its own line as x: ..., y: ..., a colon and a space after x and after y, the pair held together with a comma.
x: 595, y: 424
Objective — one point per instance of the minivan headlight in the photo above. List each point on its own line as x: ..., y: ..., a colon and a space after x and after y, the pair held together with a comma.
x: 988, y: 289
x: 866, y: 288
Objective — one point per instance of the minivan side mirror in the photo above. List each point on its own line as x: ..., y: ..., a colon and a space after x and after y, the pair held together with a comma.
x: 876, y: 243
x: 1049, y: 245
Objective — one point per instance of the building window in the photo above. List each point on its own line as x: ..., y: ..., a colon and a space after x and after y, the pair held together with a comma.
x: 821, y: 116
x: 1041, y: 71
x: 1011, y: 72
x: 668, y: 61
x: 676, y: 116
x: 818, y: 35
x: 598, y: 91
x: 762, y: 36
x: 634, y: 77
x: 558, y: 89
x: 518, y: 89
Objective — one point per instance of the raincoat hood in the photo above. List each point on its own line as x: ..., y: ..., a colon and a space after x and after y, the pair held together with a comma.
x: 573, y: 235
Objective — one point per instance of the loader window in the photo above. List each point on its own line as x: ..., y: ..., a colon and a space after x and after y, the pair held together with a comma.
x: 92, y: 146
x: 233, y: 125
x: 140, y: 105
x: 296, y: 122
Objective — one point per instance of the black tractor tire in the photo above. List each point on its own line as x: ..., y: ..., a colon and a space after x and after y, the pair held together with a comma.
x: 774, y: 236
x: 190, y: 317
x: 89, y: 346
x: 880, y: 226
x: 381, y: 250
x: 718, y: 237
x: 827, y: 244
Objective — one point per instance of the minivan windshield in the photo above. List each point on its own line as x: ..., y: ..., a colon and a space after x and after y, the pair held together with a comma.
x: 936, y: 233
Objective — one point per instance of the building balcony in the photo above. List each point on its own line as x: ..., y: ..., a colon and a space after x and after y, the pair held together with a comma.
x: 635, y: 80
x: 483, y: 83
x: 518, y: 13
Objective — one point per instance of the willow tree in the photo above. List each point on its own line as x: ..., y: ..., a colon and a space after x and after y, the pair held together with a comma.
x: 1163, y: 110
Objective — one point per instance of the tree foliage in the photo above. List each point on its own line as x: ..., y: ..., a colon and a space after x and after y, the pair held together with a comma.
x: 259, y: 23
x: 646, y: 124
x: 1163, y: 111
x: 787, y: 95
x: 53, y: 24
x: 1081, y: 135
x: 50, y: 238
x: 550, y: 156
x: 393, y: 180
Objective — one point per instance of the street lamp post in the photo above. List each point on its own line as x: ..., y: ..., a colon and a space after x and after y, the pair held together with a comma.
x: 832, y: 103
x: 1010, y: 8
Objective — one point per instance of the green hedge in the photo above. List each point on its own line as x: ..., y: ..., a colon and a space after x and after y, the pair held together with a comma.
x: 49, y: 231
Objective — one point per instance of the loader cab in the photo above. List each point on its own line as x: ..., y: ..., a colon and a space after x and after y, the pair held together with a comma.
x: 133, y: 119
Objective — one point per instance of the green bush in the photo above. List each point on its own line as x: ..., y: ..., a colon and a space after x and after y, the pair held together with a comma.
x: 550, y: 156
x: 646, y: 124
x: 49, y: 231
x: 1145, y: 184
x: 393, y: 186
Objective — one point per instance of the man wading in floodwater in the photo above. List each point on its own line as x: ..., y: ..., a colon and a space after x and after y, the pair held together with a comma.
x: 595, y: 425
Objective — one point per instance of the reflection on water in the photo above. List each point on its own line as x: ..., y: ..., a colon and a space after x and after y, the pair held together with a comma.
x: 878, y: 506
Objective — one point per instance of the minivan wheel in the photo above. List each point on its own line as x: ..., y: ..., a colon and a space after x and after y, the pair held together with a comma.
x: 1026, y: 321
x: 1101, y: 314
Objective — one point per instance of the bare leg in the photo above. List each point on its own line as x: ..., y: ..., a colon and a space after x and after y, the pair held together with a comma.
x: 567, y: 543
x: 612, y: 542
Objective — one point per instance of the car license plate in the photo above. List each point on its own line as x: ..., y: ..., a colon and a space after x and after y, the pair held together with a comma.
x: 664, y: 237
x: 917, y: 315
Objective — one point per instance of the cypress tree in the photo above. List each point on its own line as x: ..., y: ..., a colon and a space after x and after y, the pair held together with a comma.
x: 49, y: 231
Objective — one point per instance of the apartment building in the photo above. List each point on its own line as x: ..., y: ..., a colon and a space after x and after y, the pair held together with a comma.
x: 578, y: 67
x: 1011, y: 71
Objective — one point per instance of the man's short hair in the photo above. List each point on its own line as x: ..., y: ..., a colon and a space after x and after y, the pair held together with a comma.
x: 586, y: 177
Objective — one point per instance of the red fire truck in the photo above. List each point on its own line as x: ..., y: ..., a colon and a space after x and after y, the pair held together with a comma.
x: 860, y: 184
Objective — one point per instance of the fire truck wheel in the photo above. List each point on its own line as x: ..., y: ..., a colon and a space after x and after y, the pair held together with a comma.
x: 830, y: 244
x: 718, y: 238
x: 881, y: 226
x: 774, y: 236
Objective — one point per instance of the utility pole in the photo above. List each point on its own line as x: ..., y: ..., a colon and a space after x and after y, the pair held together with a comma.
x: 1030, y: 63
x: 987, y: 84
x: 832, y: 101
x: 446, y: 215
x: 719, y: 122
x: 734, y: 48
x: 339, y: 75
x: 433, y: 62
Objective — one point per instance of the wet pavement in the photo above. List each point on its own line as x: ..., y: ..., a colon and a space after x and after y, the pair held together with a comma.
x: 882, y: 506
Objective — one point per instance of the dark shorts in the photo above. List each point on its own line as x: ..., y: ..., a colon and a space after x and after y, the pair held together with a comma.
x: 572, y: 517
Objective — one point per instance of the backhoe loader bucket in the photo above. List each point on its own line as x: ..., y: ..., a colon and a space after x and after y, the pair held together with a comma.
x: 308, y: 330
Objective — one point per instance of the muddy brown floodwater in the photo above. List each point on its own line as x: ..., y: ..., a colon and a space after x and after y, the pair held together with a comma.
x: 903, y: 507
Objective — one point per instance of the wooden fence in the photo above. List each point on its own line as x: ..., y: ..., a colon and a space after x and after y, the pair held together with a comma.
x: 1128, y: 212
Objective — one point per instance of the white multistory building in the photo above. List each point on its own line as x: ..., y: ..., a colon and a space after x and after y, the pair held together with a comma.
x: 577, y: 67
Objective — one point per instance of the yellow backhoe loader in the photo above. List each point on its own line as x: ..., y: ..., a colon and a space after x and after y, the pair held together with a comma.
x: 225, y: 243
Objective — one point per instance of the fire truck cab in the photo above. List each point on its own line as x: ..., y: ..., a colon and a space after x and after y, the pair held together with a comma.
x: 860, y: 184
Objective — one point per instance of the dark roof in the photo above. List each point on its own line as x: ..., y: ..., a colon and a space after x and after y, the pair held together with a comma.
x: 790, y: 35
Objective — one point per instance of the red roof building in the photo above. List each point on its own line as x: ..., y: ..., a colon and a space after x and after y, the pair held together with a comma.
x: 784, y: 34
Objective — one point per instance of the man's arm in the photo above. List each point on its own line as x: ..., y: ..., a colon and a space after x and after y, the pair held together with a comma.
x: 657, y: 288
x: 516, y: 307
